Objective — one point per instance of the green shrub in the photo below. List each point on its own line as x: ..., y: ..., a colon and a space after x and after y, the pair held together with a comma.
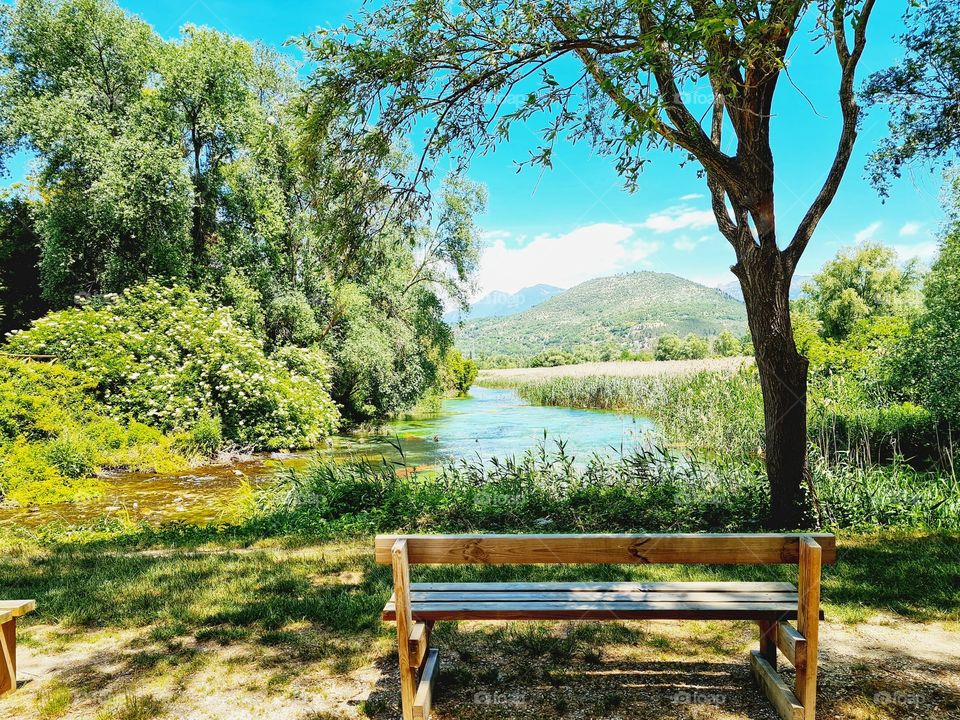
x: 27, y: 477
x: 292, y: 321
x: 162, y: 356
x: 205, y: 437
x: 71, y: 454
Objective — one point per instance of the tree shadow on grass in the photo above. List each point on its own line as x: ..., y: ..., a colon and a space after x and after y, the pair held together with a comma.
x: 310, y: 613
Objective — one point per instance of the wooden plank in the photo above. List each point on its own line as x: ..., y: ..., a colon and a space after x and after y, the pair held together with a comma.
x: 403, y: 616
x: 598, y: 611
x: 713, y: 597
x: 8, y: 653
x: 768, y: 642
x: 428, y: 678
x: 547, y: 587
x: 808, y: 624
x: 792, y: 644
x: 18, y: 608
x: 419, y: 643
x: 716, y: 548
x: 776, y: 690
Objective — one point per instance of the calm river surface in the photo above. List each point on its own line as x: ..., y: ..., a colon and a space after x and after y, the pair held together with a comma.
x: 487, y: 423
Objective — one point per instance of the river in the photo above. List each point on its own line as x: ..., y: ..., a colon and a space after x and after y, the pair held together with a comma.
x: 487, y: 423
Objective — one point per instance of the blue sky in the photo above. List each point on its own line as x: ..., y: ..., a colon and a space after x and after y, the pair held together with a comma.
x: 576, y: 221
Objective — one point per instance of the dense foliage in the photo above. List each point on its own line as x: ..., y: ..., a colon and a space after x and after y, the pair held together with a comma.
x: 188, y: 162
x: 164, y: 356
x: 54, y: 436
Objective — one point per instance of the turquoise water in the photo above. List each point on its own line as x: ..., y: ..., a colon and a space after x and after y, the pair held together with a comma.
x: 485, y: 424
x: 494, y: 422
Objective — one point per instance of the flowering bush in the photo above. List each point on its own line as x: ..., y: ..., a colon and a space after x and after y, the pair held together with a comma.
x: 164, y: 357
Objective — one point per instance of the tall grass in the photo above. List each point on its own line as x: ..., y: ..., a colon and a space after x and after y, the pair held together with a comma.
x: 549, y: 491
x: 722, y: 413
x: 704, y: 410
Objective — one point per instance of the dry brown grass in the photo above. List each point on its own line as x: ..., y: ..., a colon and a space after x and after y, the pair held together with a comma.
x: 511, y: 376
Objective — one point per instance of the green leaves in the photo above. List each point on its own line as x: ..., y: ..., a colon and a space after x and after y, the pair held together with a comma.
x: 163, y: 356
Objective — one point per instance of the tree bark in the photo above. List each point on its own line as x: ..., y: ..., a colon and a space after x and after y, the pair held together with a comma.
x: 765, y: 278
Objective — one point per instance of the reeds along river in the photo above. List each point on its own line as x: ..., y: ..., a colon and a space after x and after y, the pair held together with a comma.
x: 488, y: 423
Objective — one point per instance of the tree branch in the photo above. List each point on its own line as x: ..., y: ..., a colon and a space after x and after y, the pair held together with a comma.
x: 848, y: 59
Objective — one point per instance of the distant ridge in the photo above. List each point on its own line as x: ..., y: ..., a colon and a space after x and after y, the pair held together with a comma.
x: 501, y: 304
x: 629, y: 311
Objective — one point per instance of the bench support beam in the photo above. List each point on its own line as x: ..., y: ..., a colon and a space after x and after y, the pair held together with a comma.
x: 401, y: 588
x: 783, y: 700
x: 808, y: 624
x: 768, y: 642
x: 8, y: 649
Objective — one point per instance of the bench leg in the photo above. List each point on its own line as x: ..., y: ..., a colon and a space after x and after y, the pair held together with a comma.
x: 8, y: 663
x: 401, y: 589
x: 808, y: 625
x: 768, y: 642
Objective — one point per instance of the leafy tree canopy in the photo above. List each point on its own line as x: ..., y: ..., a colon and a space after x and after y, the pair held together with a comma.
x: 860, y: 283
x: 922, y: 93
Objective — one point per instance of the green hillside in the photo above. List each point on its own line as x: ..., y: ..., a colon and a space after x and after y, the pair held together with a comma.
x: 629, y: 311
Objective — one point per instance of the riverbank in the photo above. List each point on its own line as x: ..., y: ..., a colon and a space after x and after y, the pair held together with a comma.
x: 217, y: 628
x: 488, y: 423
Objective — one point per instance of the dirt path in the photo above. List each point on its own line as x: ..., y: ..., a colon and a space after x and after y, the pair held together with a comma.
x: 880, y: 670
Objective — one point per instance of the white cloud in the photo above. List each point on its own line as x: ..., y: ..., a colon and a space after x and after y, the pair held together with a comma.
x: 868, y: 232
x: 563, y: 260
x: 691, y: 196
x: 681, y: 217
x: 910, y: 229
x: 687, y: 244
x: 923, y: 251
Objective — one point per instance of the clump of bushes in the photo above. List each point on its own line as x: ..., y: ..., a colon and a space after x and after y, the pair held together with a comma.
x: 163, y: 356
x: 54, y: 438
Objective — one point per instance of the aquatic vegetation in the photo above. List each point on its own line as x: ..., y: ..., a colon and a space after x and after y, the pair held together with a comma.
x: 548, y: 490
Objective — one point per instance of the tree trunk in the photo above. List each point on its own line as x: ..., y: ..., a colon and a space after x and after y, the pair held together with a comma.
x: 765, y: 278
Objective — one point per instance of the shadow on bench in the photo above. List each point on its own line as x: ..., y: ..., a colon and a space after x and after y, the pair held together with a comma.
x: 415, y: 607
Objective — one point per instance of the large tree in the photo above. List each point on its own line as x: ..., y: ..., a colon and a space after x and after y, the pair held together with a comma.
x: 625, y: 75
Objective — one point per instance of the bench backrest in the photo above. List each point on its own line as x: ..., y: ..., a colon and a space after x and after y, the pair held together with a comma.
x: 710, y: 549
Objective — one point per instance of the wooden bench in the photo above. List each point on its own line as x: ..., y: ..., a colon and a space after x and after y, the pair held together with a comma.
x: 10, y: 610
x: 772, y: 605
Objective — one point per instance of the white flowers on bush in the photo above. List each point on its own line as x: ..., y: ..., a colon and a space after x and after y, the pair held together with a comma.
x: 165, y: 356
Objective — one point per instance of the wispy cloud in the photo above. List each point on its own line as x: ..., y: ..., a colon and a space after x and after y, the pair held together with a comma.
x: 680, y: 217
x: 868, y: 232
x: 923, y: 251
x: 691, y: 196
x: 562, y: 260
x: 910, y: 229
x: 689, y: 244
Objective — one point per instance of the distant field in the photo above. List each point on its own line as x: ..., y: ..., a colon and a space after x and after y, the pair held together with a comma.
x: 509, y: 376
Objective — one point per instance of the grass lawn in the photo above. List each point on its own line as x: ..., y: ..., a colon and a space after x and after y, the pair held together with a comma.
x: 215, y: 627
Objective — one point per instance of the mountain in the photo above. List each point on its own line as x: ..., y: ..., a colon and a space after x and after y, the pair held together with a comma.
x: 629, y: 311
x: 501, y: 304
x: 796, y: 287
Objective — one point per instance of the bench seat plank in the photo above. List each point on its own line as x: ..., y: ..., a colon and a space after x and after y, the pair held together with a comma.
x: 612, y: 596
x: 600, y: 610
x: 588, y: 586
x: 18, y: 608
